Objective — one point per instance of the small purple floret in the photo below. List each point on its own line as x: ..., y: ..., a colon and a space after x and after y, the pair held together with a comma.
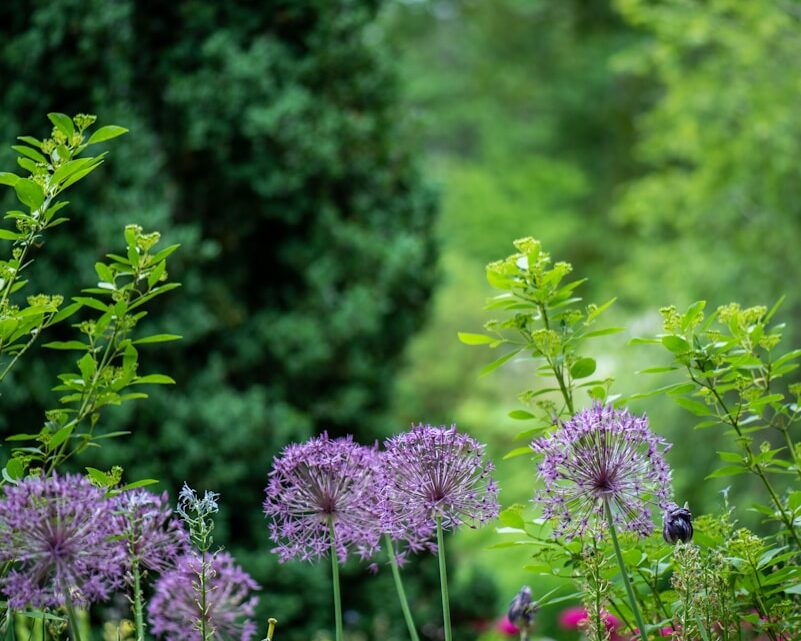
x: 436, y: 472
x: 319, y: 484
x: 174, y: 611
x: 602, y: 455
x: 59, y: 535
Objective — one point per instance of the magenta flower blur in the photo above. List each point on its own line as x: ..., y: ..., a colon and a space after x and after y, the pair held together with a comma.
x: 602, y: 455
x: 153, y: 536
x: 436, y: 472
x: 320, y: 484
x: 174, y: 610
x: 59, y: 535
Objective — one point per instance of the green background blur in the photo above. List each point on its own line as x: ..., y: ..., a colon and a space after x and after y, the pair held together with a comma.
x: 340, y: 171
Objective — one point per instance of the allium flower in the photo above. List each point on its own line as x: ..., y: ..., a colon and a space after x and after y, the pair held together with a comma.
x: 153, y: 536
x: 320, y: 484
x: 59, y: 534
x: 677, y: 524
x: 436, y: 472
x: 174, y: 611
x: 601, y: 456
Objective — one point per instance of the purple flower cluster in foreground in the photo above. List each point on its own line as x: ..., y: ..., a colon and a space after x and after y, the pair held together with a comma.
x: 602, y: 456
x: 175, y: 612
x: 436, y: 472
x: 321, y: 486
x: 361, y: 493
x: 59, y: 534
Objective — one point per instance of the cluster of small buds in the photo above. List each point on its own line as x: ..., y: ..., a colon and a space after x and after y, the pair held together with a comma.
x: 196, y: 513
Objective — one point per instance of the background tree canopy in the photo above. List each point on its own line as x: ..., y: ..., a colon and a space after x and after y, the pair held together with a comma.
x: 653, y: 144
x: 269, y: 140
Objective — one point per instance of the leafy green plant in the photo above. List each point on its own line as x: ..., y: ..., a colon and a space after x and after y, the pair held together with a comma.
x: 106, y: 372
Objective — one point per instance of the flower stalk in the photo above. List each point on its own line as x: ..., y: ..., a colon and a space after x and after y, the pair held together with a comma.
x: 629, y: 589
x: 443, y: 581
x: 407, y: 613
x: 335, y: 581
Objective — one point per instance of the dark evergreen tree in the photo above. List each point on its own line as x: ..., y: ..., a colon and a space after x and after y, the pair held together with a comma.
x: 267, y: 138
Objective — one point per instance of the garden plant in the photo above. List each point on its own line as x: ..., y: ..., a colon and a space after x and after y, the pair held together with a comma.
x: 604, y: 517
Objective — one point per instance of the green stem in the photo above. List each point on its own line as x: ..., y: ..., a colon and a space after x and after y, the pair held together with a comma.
x: 204, y: 634
x: 443, y: 581
x: 629, y: 590
x: 335, y: 577
x: 71, y: 616
x: 137, y: 604
x: 407, y: 613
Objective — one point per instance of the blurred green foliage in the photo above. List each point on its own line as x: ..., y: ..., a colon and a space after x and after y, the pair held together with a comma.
x: 269, y: 141
x: 652, y: 144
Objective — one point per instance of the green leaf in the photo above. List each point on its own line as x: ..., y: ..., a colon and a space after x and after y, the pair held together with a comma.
x: 511, y: 517
x: 9, y: 179
x: 66, y: 345
x: 475, y: 339
x: 157, y: 338
x: 99, y: 476
x: 518, y: 451
x: 30, y: 153
x: 137, y: 484
x: 155, y: 379
x: 106, y: 133
x: 63, y: 123
x: 88, y: 367
x: 15, y: 468
x: 727, y: 470
x: 676, y: 344
x: 583, y: 368
x: 91, y: 302
x: 793, y: 589
x: 696, y: 407
x: 59, y: 437
x: 604, y: 332
x: 497, y: 363
x: 7, y: 234
x: 29, y: 193
x: 521, y: 415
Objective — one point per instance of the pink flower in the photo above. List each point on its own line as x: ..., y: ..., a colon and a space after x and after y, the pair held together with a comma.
x: 505, y: 626
x: 573, y: 618
x: 570, y: 618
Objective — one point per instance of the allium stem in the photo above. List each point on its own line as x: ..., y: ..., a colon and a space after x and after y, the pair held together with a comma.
x: 137, y: 603
x: 335, y: 578
x: 443, y: 581
x: 204, y: 633
x: 629, y: 590
x: 407, y: 613
x: 71, y: 616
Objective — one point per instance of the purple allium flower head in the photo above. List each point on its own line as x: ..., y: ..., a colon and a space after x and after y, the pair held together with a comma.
x: 602, y: 455
x: 174, y: 611
x: 319, y: 484
x: 153, y: 536
x: 59, y: 535
x: 432, y: 472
